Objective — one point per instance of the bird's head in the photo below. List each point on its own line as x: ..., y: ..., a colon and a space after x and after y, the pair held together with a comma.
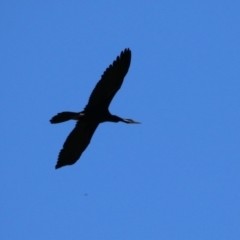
x: 129, y: 121
x: 114, y: 118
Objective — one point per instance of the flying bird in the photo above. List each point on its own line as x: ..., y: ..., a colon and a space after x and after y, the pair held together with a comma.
x: 95, y: 112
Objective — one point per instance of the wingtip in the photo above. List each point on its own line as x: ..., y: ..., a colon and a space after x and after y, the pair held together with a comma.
x: 125, y: 54
x: 127, y: 50
x: 58, y: 166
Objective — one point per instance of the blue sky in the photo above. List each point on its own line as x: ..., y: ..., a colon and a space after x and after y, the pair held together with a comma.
x: 175, y: 176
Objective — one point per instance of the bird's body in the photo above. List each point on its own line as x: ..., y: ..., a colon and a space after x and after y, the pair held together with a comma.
x: 95, y: 112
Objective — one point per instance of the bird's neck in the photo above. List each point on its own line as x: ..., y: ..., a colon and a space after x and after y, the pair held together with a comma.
x: 114, y: 118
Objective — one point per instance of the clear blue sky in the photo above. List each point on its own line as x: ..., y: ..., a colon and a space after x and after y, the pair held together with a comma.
x: 175, y: 176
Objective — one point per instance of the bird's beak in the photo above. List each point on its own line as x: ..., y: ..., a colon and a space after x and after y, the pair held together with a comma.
x: 129, y: 121
x: 135, y: 122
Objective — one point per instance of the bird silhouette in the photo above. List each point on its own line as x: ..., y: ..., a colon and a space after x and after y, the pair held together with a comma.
x: 95, y: 112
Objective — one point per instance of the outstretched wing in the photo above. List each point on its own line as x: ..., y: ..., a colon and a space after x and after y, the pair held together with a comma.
x: 76, y: 142
x: 110, y: 82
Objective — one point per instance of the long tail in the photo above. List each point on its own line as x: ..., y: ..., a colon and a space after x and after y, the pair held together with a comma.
x: 63, y: 117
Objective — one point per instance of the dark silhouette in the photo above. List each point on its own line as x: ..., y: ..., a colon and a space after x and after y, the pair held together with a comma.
x: 95, y: 112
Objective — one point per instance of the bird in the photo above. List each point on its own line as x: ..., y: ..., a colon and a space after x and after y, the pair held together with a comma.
x: 95, y: 112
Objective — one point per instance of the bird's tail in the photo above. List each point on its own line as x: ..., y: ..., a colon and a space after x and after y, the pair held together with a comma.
x: 64, y: 116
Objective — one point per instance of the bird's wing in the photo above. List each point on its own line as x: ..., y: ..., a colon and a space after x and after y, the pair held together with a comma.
x: 76, y: 143
x: 110, y: 82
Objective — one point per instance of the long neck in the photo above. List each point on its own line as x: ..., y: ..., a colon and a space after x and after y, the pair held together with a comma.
x: 114, y: 118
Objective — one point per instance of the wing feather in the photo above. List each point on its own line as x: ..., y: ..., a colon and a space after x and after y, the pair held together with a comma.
x: 76, y: 142
x: 110, y: 82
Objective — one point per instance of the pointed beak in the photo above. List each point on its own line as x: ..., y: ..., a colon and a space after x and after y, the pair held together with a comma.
x: 129, y: 121
x: 136, y: 122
